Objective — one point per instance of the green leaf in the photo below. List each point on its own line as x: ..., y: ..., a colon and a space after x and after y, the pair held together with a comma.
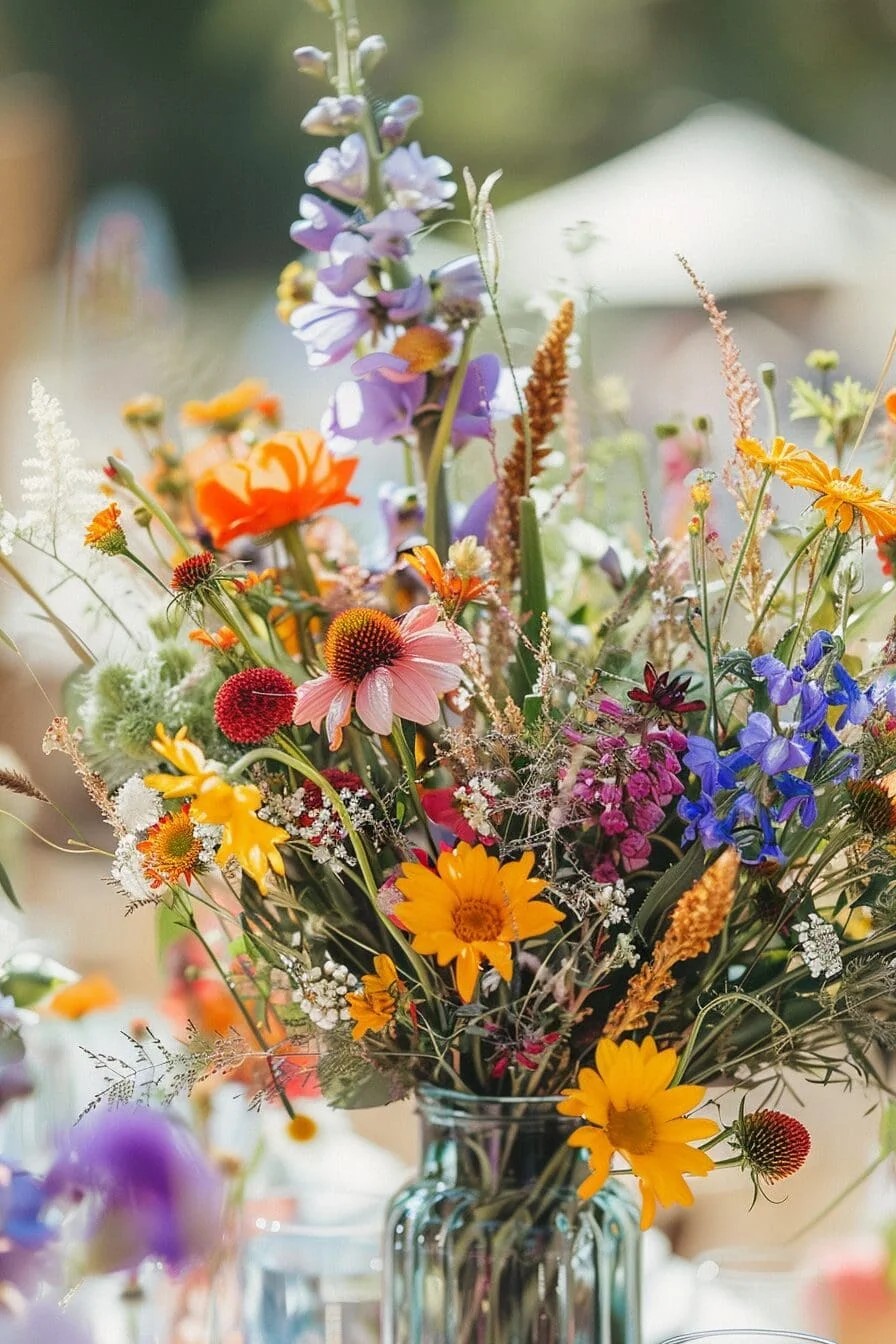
x: 169, y: 927
x: 667, y: 889
x: 533, y: 597
x: 28, y: 987
x: 6, y: 884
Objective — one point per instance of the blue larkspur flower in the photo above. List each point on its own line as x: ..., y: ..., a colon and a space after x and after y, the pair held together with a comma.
x: 857, y: 704
x: 771, y: 751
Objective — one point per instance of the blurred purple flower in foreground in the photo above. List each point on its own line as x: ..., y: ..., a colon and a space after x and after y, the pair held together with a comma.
x: 151, y: 1192
x: 42, y: 1324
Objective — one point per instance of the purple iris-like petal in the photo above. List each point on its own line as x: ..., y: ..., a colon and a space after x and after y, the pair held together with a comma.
x: 388, y: 233
x: 374, y: 407
x: 813, y: 706
x: 330, y: 327
x: 703, y: 759
x: 818, y: 645
x: 320, y: 223
x: 342, y: 172
x: 350, y: 264
x: 459, y: 281
x: 414, y: 180
x: 856, y: 704
x: 478, y: 517
x: 799, y: 798
x: 152, y: 1192
x: 782, y: 684
x: 882, y: 693
x: 473, y: 419
x: 406, y: 305
x: 772, y: 752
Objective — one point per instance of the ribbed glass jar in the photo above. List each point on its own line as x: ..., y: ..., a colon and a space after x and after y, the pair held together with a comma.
x: 491, y: 1244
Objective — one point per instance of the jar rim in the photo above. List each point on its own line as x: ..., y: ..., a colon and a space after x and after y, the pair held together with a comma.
x: 450, y: 1097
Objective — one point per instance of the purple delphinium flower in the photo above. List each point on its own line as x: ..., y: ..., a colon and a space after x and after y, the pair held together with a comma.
x: 377, y: 405
x: 770, y: 750
x: 857, y: 705
x: 350, y: 263
x: 151, y: 1191
x: 331, y: 326
x: 459, y: 281
x: 473, y: 418
x: 43, y: 1323
x: 783, y: 682
x: 414, y: 180
x: 388, y: 234
x: 343, y: 172
x: 321, y: 221
x: 24, y: 1235
x: 334, y: 116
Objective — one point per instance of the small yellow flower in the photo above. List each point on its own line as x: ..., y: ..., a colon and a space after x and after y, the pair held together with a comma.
x: 301, y: 1128
x: 228, y: 410
x: 701, y: 496
x: 105, y: 533
x: 770, y: 459
x: 294, y: 289
x: 89, y: 995
x: 146, y: 411
x: 246, y: 838
x: 374, y: 1008
x: 471, y: 909
x: 630, y: 1108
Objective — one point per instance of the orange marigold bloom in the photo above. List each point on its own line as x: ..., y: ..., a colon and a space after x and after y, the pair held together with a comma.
x: 222, y: 640
x: 890, y: 404
x: 105, y: 533
x: 287, y: 479
x: 451, y: 584
x: 770, y: 459
x: 228, y: 410
x: 88, y: 995
x: 842, y: 499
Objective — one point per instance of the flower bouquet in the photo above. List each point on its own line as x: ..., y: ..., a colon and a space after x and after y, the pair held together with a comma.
x: 554, y: 838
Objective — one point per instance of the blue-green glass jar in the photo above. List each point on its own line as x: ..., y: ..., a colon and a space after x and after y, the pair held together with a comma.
x: 491, y: 1244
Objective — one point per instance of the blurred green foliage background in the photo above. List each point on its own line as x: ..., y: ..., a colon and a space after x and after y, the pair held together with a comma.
x: 199, y: 99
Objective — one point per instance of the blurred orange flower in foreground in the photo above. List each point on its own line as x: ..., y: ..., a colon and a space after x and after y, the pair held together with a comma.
x: 287, y: 479
x: 88, y: 995
x: 227, y: 411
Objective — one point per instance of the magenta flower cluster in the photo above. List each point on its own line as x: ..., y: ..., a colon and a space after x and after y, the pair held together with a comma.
x: 631, y: 775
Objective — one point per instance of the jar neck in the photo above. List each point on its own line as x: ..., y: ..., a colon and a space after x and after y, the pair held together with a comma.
x: 490, y: 1143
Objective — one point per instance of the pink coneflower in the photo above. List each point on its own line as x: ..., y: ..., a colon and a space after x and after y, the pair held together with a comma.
x: 386, y: 667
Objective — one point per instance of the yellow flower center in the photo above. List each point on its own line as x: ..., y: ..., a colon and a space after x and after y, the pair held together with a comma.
x: 850, y: 492
x: 477, y: 920
x: 631, y: 1131
x: 359, y: 641
x: 171, y: 849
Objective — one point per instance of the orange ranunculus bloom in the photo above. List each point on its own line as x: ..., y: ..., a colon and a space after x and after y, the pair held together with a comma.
x: 228, y: 410
x: 287, y: 479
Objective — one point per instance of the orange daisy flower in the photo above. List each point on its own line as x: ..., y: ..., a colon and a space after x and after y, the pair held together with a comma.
x: 769, y: 459
x: 171, y: 850
x: 454, y: 583
x: 228, y: 410
x: 287, y: 479
x: 842, y: 499
x: 223, y: 640
x: 89, y: 995
x: 105, y: 533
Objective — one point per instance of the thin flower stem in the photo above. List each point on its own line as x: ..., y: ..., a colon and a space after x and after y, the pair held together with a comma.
x: 410, y: 771
x: 303, y: 574
x: 794, y: 560
x: 838, y: 1199
x: 61, y: 628
x: 437, y: 524
x: 712, y: 708
x: 746, y: 545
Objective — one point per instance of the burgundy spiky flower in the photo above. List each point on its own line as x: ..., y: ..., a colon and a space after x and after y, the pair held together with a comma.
x: 193, y: 572
x: 664, y: 692
x: 254, y: 703
x: 773, y: 1145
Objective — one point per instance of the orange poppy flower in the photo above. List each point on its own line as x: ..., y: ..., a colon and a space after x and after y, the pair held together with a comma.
x: 287, y: 479
x: 842, y: 499
x: 228, y: 410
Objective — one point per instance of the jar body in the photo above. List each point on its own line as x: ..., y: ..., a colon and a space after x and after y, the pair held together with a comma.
x: 491, y: 1244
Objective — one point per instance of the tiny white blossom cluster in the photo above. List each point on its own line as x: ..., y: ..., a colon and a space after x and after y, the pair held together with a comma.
x: 61, y: 494
x: 322, y: 994
x: 128, y: 871
x: 314, y: 820
x: 820, y: 947
x: 476, y: 800
x: 8, y: 527
x: 136, y: 805
x: 611, y: 899
x: 624, y: 951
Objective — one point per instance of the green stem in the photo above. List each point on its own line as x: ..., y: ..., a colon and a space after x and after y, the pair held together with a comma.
x: 713, y: 708
x: 437, y: 525
x: 303, y: 574
x: 410, y: 769
x: 794, y: 560
x: 746, y: 545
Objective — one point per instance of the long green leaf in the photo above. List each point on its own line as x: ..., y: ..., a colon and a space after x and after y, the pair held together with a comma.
x: 533, y: 597
x: 668, y: 888
x: 6, y: 884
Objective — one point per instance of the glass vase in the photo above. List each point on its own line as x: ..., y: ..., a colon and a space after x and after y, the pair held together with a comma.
x: 491, y: 1244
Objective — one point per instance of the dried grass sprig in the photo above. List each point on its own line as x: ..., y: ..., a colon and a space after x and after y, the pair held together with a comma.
x: 16, y: 782
x: 699, y: 916
x: 59, y: 737
x: 741, y: 391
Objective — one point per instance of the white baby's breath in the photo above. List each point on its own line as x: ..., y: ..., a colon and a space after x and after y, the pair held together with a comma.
x: 8, y: 526
x: 61, y: 494
x: 136, y: 805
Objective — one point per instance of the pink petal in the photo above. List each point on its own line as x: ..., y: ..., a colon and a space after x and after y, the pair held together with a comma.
x: 419, y: 618
x: 439, y: 644
x: 440, y: 676
x: 374, y: 701
x: 338, y: 715
x: 313, y: 699
x: 413, y: 697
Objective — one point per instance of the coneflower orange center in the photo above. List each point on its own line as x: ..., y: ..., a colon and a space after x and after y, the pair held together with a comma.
x: 171, y: 849
x: 631, y: 1131
x: 477, y: 919
x: 424, y: 348
x: 359, y: 641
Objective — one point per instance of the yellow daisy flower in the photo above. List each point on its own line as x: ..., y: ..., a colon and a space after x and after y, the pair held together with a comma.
x: 374, y: 1008
x: 630, y: 1109
x: 842, y: 499
x: 472, y: 908
x: 248, y: 839
x: 770, y: 459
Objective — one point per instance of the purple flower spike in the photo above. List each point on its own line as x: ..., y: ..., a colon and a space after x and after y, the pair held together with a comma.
x: 320, y: 223
x: 152, y: 1191
x: 344, y: 172
x: 473, y: 419
x: 331, y: 326
x: 388, y: 233
x: 406, y: 305
x: 415, y: 181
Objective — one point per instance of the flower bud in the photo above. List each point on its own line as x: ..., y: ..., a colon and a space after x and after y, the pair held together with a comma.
x: 312, y: 61
x: 142, y: 516
x: 407, y: 108
x: 769, y: 376
x: 371, y: 52
x: 824, y: 361
x: 334, y: 116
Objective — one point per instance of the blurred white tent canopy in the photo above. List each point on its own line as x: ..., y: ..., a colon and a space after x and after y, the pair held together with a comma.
x: 754, y: 207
